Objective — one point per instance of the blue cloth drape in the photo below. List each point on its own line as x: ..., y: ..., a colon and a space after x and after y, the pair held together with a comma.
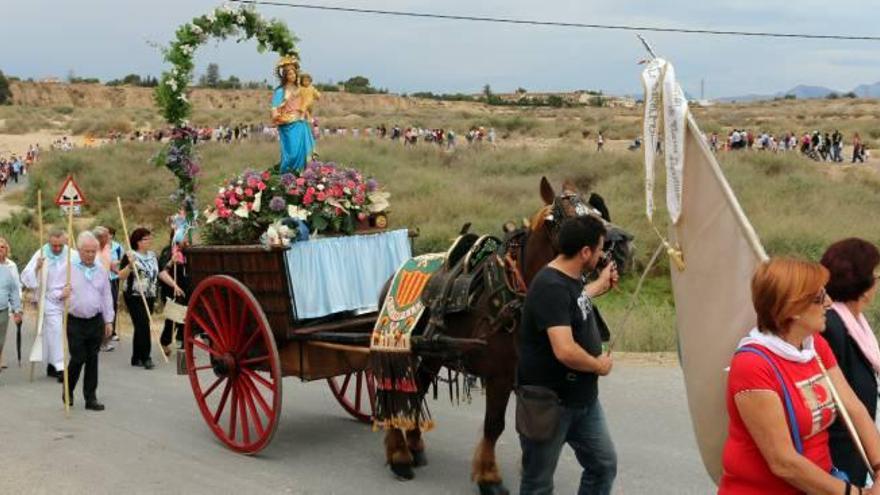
x: 296, y: 139
x: 334, y: 274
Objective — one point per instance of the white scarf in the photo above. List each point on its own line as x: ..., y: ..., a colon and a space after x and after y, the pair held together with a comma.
x: 780, y: 347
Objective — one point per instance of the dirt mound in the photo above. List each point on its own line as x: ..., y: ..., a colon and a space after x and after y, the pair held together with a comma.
x: 99, y: 96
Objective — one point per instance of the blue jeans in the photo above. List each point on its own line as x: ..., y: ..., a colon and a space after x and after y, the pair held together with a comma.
x: 587, y: 433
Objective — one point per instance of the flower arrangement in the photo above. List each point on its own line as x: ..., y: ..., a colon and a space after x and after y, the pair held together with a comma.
x: 171, y: 93
x: 328, y: 197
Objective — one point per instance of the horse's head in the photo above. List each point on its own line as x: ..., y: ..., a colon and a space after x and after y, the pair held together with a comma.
x: 570, y: 203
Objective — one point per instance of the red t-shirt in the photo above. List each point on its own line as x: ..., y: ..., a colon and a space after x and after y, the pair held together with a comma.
x: 745, y: 472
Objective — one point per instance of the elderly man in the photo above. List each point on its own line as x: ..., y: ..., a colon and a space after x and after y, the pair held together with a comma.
x: 89, y: 317
x: 47, y: 261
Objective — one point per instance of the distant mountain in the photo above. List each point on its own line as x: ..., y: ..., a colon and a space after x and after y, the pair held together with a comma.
x: 868, y: 90
x: 806, y: 92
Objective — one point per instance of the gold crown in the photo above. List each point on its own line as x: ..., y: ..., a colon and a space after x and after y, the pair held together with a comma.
x: 286, y: 60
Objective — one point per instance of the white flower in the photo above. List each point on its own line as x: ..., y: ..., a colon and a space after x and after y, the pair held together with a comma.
x: 294, y: 211
x: 320, y: 187
x: 211, y: 18
x: 182, y: 98
x: 196, y: 29
x: 221, y: 191
x: 239, y: 190
x: 239, y: 19
x: 242, y: 211
x: 211, y: 214
x: 172, y: 84
x: 258, y: 199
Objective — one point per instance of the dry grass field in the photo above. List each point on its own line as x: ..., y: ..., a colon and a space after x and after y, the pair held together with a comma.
x: 797, y: 206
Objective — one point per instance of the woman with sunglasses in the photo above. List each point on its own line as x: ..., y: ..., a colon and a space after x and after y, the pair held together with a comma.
x: 852, y: 264
x: 779, y: 396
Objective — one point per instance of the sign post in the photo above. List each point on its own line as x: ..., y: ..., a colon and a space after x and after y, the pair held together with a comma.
x: 70, y: 196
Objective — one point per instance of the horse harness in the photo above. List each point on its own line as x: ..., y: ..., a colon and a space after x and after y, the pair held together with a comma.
x: 477, y: 267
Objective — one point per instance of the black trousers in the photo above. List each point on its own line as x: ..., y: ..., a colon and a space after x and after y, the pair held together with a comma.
x: 114, y: 291
x: 84, y: 337
x: 171, y: 329
x: 140, y: 349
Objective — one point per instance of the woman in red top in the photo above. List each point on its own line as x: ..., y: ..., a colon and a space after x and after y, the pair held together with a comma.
x: 760, y: 455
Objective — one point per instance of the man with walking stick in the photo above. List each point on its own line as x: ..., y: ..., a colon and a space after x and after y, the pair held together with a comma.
x: 89, y: 319
x: 48, y: 263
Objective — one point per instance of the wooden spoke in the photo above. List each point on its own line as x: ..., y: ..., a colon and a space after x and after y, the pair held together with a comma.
x: 247, y: 412
x: 250, y: 361
x: 213, y: 386
x: 353, y: 401
x: 203, y: 346
x: 223, y: 399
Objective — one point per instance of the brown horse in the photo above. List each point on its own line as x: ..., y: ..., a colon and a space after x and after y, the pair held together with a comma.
x: 495, y: 362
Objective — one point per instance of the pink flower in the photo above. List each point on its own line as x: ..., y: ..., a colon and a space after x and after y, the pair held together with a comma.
x: 218, y: 202
x: 310, y: 191
x: 350, y: 184
x: 308, y: 199
x: 261, y: 186
x: 249, y: 192
x: 252, y: 182
x: 321, y: 196
x: 362, y: 216
x: 265, y: 176
x: 224, y: 213
x: 233, y: 201
x: 300, y: 181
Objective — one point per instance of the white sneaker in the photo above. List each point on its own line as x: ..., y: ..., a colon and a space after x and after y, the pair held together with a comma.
x: 108, y: 347
x: 115, y: 338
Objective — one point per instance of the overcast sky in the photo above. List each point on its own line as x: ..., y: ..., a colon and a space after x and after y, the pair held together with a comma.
x: 110, y: 38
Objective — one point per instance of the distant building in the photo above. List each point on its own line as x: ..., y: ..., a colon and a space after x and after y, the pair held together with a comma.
x: 50, y: 80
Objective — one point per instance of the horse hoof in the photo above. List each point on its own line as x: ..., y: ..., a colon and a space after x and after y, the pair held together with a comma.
x: 403, y: 471
x: 493, y: 489
x: 419, y: 458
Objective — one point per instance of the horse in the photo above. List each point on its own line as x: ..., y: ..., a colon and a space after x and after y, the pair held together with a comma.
x: 496, y: 362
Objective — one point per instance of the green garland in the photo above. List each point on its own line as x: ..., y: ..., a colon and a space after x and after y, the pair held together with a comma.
x: 171, y: 94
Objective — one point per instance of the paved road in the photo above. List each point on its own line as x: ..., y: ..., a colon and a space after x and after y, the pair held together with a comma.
x: 151, y: 439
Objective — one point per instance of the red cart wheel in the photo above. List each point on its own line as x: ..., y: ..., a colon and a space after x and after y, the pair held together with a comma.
x: 356, y: 393
x: 233, y: 364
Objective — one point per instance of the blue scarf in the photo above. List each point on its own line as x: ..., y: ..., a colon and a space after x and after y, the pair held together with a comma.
x: 88, y: 271
x: 52, y: 257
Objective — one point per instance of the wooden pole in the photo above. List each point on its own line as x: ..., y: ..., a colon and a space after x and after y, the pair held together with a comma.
x: 64, y: 315
x: 844, y: 415
x: 40, y: 288
x: 137, y: 276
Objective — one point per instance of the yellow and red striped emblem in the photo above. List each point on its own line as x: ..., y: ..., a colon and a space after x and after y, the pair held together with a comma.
x: 410, y: 288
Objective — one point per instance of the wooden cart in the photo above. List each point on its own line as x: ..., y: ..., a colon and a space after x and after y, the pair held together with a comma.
x: 242, y: 335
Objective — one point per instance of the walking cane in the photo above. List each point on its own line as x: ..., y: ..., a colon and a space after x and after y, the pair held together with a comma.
x: 18, y: 341
x: 67, y: 308
x: 41, y: 291
x: 137, y: 276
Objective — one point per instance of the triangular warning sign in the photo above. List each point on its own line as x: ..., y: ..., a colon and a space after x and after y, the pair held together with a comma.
x: 70, y: 193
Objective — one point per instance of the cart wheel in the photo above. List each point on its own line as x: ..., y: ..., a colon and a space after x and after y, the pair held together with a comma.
x: 356, y: 393
x: 233, y: 364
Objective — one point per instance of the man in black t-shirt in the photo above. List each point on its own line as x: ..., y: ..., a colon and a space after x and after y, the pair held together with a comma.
x: 560, y: 348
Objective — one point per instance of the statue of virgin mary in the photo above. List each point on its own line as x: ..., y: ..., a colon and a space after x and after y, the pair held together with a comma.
x: 290, y: 114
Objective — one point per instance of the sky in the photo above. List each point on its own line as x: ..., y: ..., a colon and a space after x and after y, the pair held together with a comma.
x: 110, y: 38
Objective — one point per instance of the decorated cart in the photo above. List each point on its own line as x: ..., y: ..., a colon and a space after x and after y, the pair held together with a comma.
x: 258, y: 314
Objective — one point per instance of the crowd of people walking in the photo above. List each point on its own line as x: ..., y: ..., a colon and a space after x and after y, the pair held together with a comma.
x: 820, y: 146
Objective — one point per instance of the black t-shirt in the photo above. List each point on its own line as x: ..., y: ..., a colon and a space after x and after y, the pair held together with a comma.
x: 555, y: 300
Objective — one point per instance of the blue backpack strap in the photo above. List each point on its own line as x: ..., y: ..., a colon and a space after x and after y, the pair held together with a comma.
x: 789, y: 406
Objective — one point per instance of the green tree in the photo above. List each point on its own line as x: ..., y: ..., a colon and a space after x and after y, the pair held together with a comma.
x: 5, y: 92
x: 358, y: 84
x: 555, y: 101
x: 212, y: 76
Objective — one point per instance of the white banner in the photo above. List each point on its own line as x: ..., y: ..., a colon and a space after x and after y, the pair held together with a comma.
x: 663, y: 96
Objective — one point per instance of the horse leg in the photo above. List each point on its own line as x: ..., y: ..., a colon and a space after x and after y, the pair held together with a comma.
x: 416, y: 446
x: 397, y: 454
x: 485, y: 469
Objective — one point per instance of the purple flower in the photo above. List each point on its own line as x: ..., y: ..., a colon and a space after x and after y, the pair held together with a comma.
x: 277, y: 203
x: 287, y: 180
x: 372, y: 185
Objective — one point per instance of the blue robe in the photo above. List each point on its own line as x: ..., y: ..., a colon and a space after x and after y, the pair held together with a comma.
x: 296, y: 139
